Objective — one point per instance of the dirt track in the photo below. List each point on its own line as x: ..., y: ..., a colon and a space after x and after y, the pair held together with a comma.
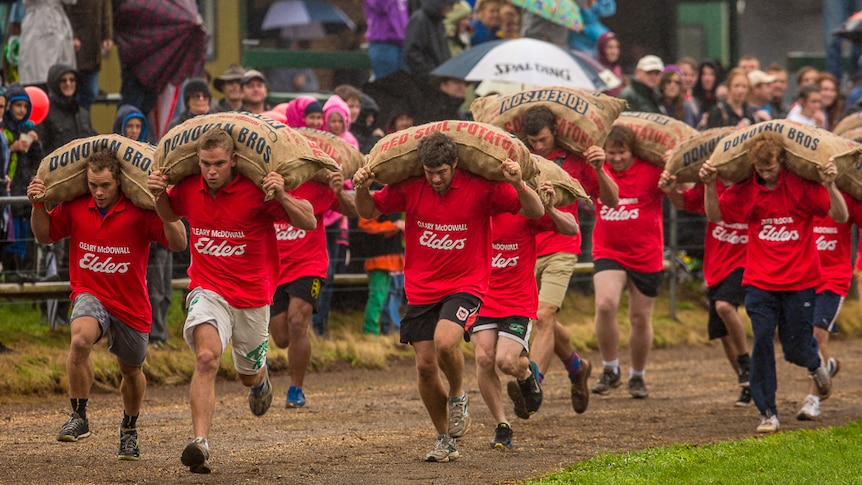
x: 365, y: 426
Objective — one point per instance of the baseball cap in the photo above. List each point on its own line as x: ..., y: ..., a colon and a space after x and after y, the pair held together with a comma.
x: 756, y: 78
x: 252, y: 74
x: 650, y: 63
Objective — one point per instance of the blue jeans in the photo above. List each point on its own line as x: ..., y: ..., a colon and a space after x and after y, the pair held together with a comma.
x: 88, y: 88
x: 385, y: 58
x: 18, y: 246
x: 834, y: 13
x: 792, y: 313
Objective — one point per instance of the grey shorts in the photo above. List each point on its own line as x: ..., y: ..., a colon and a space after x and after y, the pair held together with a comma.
x: 126, y: 343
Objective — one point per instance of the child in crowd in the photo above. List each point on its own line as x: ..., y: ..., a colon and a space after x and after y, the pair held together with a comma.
x: 304, y: 111
x: 131, y: 123
x: 486, y: 21
x: 25, y: 151
x: 336, y: 119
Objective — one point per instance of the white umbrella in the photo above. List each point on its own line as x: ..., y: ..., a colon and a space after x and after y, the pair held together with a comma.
x: 305, y: 19
x: 528, y: 61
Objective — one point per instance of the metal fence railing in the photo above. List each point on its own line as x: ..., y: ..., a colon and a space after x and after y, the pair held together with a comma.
x: 350, y: 284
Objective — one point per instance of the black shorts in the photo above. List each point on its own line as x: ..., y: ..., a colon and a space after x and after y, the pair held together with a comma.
x: 730, y: 290
x: 646, y: 283
x: 306, y: 288
x: 827, y: 305
x: 420, y: 321
x: 515, y: 328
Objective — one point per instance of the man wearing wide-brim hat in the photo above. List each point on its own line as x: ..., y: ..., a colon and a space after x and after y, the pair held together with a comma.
x: 229, y: 85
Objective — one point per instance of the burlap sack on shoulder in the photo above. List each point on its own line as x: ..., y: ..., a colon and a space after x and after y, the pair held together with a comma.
x: 64, y: 171
x: 656, y: 134
x: 583, y: 118
x: 345, y: 154
x: 854, y: 134
x: 262, y: 145
x: 850, y: 122
x: 482, y: 148
x: 566, y: 189
x: 307, y: 159
x: 807, y: 149
x: 689, y: 154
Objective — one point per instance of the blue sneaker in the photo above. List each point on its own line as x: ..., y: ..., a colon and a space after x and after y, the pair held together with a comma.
x: 295, y: 398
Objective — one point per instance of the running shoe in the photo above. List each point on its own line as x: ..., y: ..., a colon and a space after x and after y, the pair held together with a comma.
x: 834, y: 365
x: 744, y: 398
x: 607, y: 381
x: 768, y: 423
x: 514, y: 391
x: 74, y: 429
x: 444, y: 450
x: 637, y: 387
x: 531, y: 390
x: 259, y: 400
x: 459, y: 415
x: 129, y: 449
x: 295, y: 397
x: 822, y: 380
x: 810, y: 410
x: 580, y: 393
x: 744, y: 375
x: 196, y: 456
x: 502, y: 437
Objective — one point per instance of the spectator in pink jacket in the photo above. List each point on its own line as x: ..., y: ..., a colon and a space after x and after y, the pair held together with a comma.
x: 336, y: 119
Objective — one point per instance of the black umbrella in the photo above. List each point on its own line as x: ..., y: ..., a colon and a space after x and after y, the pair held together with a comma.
x: 851, y: 29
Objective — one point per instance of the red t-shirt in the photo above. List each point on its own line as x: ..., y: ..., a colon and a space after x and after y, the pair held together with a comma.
x: 834, y: 246
x: 303, y: 253
x: 553, y: 242
x: 512, y: 290
x: 447, y: 236
x: 781, y: 242
x: 232, y: 239
x: 108, y: 255
x: 580, y: 170
x: 632, y: 233
x: 724, y: 247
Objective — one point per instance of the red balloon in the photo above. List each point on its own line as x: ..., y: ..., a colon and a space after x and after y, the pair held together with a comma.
x: 39, y: 104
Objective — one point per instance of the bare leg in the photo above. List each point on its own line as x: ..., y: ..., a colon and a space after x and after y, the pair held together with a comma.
x: 485, y: 343
x: 132, y: 387
x: 299, y: 353
x: 609, y: 286
x: 640, y: 332
x: 79, y: 368
x: 447, y: 339
x: 208, y: 352
x: 431, y: 385
x: 543, y: 346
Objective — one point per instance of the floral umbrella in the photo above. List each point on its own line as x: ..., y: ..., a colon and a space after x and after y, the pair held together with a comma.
x: 562, y: 12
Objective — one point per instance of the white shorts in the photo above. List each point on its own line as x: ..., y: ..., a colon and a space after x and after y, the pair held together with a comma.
x: 246, y: 328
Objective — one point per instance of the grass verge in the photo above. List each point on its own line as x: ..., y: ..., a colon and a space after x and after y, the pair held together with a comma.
x: 829, y: 455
